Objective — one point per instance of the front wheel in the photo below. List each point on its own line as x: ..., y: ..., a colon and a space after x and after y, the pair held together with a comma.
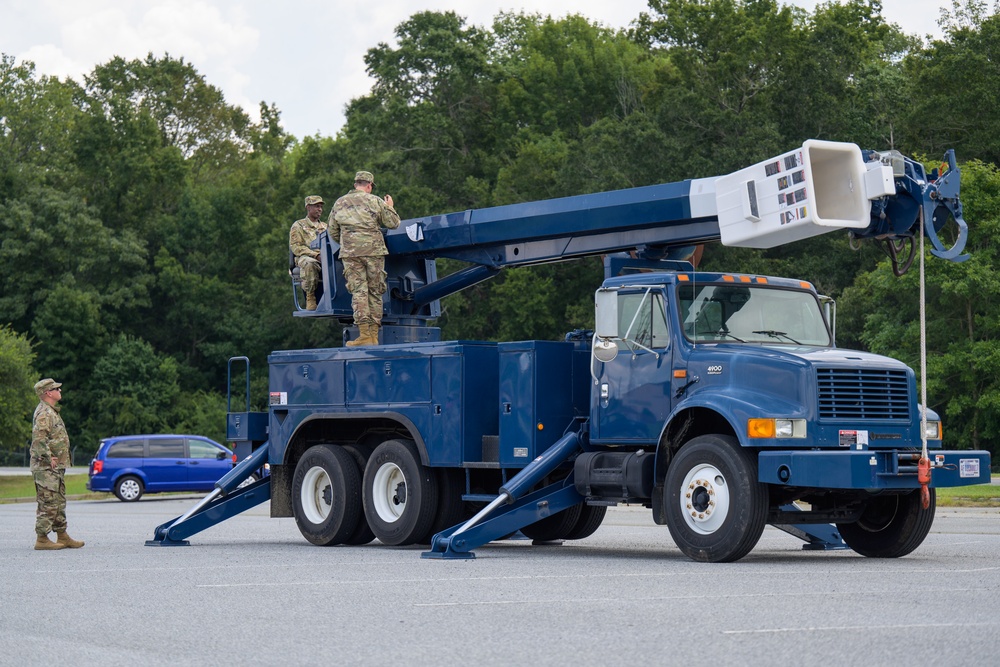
x: 890, y: 526
x: 715, y: 507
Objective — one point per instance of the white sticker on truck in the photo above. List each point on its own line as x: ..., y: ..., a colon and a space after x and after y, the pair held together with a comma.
x: 968, y: 467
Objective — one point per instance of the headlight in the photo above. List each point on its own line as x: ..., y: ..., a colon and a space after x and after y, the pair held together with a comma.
x: 776, y: 428
x: 933, y: 431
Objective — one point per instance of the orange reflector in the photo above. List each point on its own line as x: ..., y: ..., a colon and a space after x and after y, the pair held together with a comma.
x: 762, y: 280
x: 805, y: 285
x: 683, y: 277
x: 728, y: 279
x: 760, y: 428
x: 540, y: 426
x: 680, y: 374
x: 744, y: 279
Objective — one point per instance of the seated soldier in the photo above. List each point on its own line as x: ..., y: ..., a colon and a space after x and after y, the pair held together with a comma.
x: 302, y: 233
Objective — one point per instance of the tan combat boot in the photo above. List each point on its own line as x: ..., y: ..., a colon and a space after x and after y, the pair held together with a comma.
x: 362, y: 338
x: 367, y: 335
x: 67, y: 541
x: 43, y: 543
x: 311, y: 301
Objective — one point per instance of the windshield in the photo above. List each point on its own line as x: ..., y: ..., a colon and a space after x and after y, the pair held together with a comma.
x: 751, y: 314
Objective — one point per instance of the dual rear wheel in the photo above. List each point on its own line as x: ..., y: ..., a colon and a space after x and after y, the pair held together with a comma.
x: 346, y: 495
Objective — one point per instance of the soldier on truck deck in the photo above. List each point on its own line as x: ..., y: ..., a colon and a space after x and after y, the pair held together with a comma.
x: 355, y: 223
x: 302, y: 233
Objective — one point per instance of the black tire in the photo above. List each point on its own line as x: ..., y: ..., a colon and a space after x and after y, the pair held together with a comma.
x: 591, y: 517
x: 451, y: 508
x: 715, y: 507
x: 554, y: 527
x: 400, y: 494
x: 326, y: 495
x: 363, y: 534
x: 891, y: 525
x: 129, y: 488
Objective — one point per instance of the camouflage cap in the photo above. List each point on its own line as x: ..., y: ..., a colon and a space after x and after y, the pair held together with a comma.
x: 364, y: 177
x: 313, y: 199
x: 48, y: 384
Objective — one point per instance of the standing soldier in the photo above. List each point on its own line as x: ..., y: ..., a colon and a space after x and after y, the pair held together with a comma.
x: 49, y: 456
x: 302, y: 233
x: 355, y: 224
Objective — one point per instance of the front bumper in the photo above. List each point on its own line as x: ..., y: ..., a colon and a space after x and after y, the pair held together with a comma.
x: 871, y: 469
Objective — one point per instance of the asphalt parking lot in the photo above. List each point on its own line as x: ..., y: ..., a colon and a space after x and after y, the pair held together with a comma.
x: 253, y: 591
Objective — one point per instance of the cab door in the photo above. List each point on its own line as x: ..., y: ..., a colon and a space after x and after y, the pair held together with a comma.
x: 631, y: 397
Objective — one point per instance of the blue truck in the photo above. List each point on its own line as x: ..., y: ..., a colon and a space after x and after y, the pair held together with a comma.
x: 717, y: 400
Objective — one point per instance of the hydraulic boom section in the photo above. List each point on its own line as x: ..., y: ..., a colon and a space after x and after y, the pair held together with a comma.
x: 811, y: 190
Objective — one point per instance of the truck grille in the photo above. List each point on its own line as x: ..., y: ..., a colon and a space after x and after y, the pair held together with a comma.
x: 860, y: 393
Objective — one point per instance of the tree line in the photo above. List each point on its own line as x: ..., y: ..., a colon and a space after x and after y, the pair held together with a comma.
x: 144, y: 219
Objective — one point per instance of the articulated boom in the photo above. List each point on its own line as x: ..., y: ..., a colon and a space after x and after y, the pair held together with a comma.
x: 812, y: 190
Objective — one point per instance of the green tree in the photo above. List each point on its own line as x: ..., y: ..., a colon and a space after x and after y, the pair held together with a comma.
x: 134, y: 390
x: 957, y: 88
x: 17, y: 400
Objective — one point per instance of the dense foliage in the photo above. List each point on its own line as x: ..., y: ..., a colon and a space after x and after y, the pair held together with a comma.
x: 144, y: 220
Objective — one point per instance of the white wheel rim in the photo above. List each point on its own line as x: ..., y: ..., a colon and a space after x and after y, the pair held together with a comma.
x: 129, y: 489
x: 704, y: 499
x: 316, y: 494
x: 387, y: 485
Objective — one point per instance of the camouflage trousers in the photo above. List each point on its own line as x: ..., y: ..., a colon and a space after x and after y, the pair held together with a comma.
x: 365, y: 278
x: 309, y: 271
x: 50, y: 490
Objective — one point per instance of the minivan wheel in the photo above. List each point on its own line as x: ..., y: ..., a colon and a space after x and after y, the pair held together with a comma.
x: 128, y: 489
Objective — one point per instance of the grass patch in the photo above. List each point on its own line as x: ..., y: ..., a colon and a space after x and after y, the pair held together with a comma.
x: 21, y: 487
x: 980, y: 495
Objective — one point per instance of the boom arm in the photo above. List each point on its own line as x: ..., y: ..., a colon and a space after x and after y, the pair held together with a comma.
x: 812, y: 190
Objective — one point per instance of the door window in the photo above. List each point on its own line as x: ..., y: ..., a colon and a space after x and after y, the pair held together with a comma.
x: 199, y: 449
x: 166, y: 448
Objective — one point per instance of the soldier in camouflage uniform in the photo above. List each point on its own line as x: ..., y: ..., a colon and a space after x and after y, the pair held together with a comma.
x: 302, y: 233
x: 355, y: 224
x: 49, y: 457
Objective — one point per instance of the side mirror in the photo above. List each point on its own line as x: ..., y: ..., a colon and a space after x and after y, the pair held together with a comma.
x: 606, y: 313
x: 605, y: 350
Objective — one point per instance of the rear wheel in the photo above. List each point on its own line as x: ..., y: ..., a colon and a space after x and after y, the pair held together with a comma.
x: 890, y: 526
x: 400, y: 494
x: 557, y: 526
x: 715, y: 507
x: 591, y: 517
x: 451, y: 508
x: 363, y: 533
x: 326, y: 495
x: 128, y: 489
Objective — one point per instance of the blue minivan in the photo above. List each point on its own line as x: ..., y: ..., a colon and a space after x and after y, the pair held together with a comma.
x: 131, y: 465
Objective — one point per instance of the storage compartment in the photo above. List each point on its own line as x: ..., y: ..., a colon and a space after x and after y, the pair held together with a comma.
x: 540, y: 396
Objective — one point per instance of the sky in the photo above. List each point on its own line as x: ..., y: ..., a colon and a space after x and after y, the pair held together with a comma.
x: 304, y: 56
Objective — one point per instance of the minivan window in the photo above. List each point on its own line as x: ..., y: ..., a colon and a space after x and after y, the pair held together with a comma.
x: 202, y: 450
x: 127, y: 449
x: 166, y: 448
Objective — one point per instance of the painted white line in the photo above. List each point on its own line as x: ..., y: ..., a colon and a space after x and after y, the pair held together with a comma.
x: 865, y: 628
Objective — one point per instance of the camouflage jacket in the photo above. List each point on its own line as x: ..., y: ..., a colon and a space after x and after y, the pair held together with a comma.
x: 48, y: 439
x: 354, y: 224
x: 302, y: 233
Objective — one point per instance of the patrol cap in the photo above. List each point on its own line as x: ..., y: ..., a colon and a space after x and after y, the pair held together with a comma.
x: 48, y: 384
x: 364, y: 176
x: 313, y: 199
